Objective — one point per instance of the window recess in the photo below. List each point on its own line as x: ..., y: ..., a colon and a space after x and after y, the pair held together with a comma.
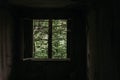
x: 49, y: 39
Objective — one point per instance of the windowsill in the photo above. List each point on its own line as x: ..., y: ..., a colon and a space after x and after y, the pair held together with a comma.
x: 38, y: 59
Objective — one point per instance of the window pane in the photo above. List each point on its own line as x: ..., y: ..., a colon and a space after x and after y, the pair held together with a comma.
x: 40, y: 38
x: 59, y: 39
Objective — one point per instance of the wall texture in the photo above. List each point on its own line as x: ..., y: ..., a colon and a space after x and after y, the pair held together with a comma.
x: 103, y: 41
x: 5, y: 44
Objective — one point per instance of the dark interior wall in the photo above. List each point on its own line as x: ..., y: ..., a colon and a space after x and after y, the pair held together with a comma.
x: 103, y: 45
x: 45, y: 70
x: 91, y: 43
x: 103, y: 48
x: 6, y: 47
x: 116, y: 38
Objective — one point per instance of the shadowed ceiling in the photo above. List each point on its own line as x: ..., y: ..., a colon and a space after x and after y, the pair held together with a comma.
x: 46, y: 3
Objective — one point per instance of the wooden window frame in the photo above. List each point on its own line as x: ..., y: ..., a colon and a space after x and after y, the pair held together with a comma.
x: 29, y: 56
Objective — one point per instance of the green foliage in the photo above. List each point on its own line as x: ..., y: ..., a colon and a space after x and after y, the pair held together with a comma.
x: 59, y: 38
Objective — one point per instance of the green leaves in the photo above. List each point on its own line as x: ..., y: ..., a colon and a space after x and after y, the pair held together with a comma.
x: 40, y: 38
x: 59, y: 38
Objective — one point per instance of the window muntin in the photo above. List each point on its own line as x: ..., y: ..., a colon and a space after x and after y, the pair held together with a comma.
x: 50, y: 38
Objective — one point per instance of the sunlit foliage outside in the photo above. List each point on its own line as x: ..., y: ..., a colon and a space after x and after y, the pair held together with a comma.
x: 41, y: 37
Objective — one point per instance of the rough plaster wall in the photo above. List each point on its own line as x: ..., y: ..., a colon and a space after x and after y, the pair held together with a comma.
x: 91, y: 43
x: 103, y: 42
x: 106, y: 57
x: 103, y: 49
x: 116, y: 39
x: 5, y: 44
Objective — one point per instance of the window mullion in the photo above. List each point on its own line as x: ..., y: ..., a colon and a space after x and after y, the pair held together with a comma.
x: 50, y: 39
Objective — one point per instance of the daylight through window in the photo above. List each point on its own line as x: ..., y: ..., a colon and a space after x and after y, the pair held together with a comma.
x: 50, y: 38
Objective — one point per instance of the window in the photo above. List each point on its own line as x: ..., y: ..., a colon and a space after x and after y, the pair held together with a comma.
x: 50, y: 38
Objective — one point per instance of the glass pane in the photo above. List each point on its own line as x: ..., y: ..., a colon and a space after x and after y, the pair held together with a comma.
x: 59, y: 39
x: 40, y: 38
